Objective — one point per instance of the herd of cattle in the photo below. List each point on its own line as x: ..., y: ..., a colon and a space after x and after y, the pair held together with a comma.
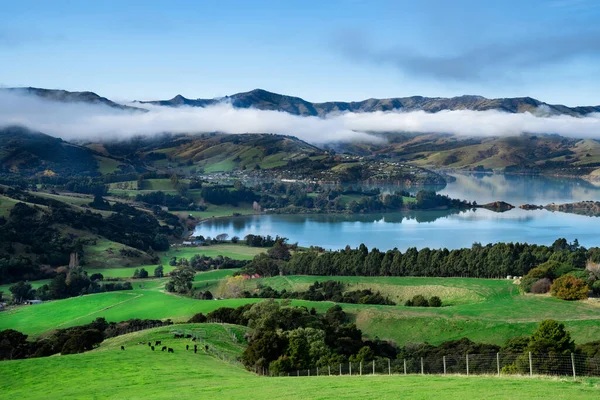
x: 169, y: 349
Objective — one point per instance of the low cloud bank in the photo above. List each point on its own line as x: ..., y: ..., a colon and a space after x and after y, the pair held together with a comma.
x: 72, y: 121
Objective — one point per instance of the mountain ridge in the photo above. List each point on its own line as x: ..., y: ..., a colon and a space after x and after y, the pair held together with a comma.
x: 265, y: 100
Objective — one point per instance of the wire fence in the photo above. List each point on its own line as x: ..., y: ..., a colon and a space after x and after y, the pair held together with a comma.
x: 573, y: 365
x: 199, y: 344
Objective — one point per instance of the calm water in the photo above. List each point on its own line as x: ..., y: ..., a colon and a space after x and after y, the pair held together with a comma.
x: 437, y: 229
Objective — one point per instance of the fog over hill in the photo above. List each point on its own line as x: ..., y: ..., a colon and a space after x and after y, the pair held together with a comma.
x: 85, y: 115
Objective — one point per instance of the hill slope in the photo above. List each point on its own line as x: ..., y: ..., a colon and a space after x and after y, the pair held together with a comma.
x: 138, y: 372
x: 69, y: 97
x: 27, y: 152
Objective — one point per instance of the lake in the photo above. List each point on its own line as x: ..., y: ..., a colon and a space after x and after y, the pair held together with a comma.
x: 437, y: 229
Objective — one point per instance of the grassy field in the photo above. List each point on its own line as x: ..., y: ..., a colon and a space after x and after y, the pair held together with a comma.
x: 106, y: 254
x: 138, y: 372
x: 218, y: 211
x: 483, y: 310
x: 235, y: 251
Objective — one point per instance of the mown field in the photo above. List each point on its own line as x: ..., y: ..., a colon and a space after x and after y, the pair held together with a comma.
x: 483, y: 310
x: 138, y: 372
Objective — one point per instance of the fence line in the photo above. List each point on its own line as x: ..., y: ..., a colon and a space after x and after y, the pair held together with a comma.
x: 566, y: 365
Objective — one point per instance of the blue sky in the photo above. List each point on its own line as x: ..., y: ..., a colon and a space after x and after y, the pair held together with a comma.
x: 325, y: 50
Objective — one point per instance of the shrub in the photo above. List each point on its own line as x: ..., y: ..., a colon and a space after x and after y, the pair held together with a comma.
x: 568, y: 287
x: 596, y: 288
x: 435, y: 301
x: 198, y: 319
x: 541, y: 286
x: 420, y: 301
x: 534, y: 275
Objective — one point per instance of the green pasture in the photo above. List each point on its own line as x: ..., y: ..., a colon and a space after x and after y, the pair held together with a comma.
x: 139, y: 372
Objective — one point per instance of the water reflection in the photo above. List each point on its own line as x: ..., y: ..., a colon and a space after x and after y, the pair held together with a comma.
x: 435, y: 229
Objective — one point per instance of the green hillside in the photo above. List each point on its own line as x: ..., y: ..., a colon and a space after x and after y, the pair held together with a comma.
x: 483, y: 310
x: 138, y: 372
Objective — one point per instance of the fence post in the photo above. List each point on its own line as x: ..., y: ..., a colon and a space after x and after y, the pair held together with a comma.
x: 360, y: 368
x: 308, y: 371
x: 329, y: 369
x: 467, y: 365
x: 340, y: 369
x: 297, y: 372
x: 373, y: 367
x: 422, y: 366
x: 317, y: 371
x: 389, y: 367
x: 350, y: 364
x: 573, y: 364
x: 405, y: 366
x: 498, y: 362
x: 444, y: 358
x: 530, y: 365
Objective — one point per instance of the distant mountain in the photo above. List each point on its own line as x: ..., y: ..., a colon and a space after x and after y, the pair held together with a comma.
x: 69, y: 97
x: 264, y: 100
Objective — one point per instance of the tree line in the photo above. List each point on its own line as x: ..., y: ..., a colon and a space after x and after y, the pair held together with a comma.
x: 15, y: 345
x: 490, y: 261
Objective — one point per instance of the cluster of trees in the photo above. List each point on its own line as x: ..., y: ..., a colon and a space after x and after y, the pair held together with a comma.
x: 204, y: 263
x: 67, y: 283
x: 222, y: 195
x: 324, y: 291
x: 78, y: 339
x: 421, y: 301
x: 174, y: 201
x: 287, y: 338
x: 562, y: 280
x: 263, y: 241
x: 490, y: 261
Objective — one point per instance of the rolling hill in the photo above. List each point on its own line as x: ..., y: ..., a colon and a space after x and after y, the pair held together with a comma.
x: 26, y: 152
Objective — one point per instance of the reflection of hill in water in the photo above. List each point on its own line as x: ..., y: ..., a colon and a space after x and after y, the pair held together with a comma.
x: 520, y: 189
x: 243, y: 222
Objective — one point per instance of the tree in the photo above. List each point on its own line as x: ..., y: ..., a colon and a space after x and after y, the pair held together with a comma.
x: 159, y: 271
x: 143, y: 273
x: 568, y: 287
x: 21, y: 291
x: 222, y: 237
x: 181, y: 280
x: 551, y: 337
x: 97, y: 277
x: 365, y: 354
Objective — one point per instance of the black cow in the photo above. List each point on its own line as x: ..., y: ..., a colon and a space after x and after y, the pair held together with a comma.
x: 188, y: 336
x: 149, y: 344
x: 170, y: 350
x: 152, y: 347
x: 164, y: 348
x: 195, y: 348
x: 122, y: 347
x: 157, y: 343
x: 206, y: 347
x: 187, y: 347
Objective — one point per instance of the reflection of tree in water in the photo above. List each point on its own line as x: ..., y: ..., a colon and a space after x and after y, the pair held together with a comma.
x: 242, y: 223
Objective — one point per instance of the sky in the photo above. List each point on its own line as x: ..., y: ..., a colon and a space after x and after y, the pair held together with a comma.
x: 317, y: 50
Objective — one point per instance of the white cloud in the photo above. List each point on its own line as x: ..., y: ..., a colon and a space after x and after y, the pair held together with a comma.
x: 93, y: 122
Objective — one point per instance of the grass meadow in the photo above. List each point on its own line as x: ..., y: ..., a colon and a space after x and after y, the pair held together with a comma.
x: 137, y: 372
